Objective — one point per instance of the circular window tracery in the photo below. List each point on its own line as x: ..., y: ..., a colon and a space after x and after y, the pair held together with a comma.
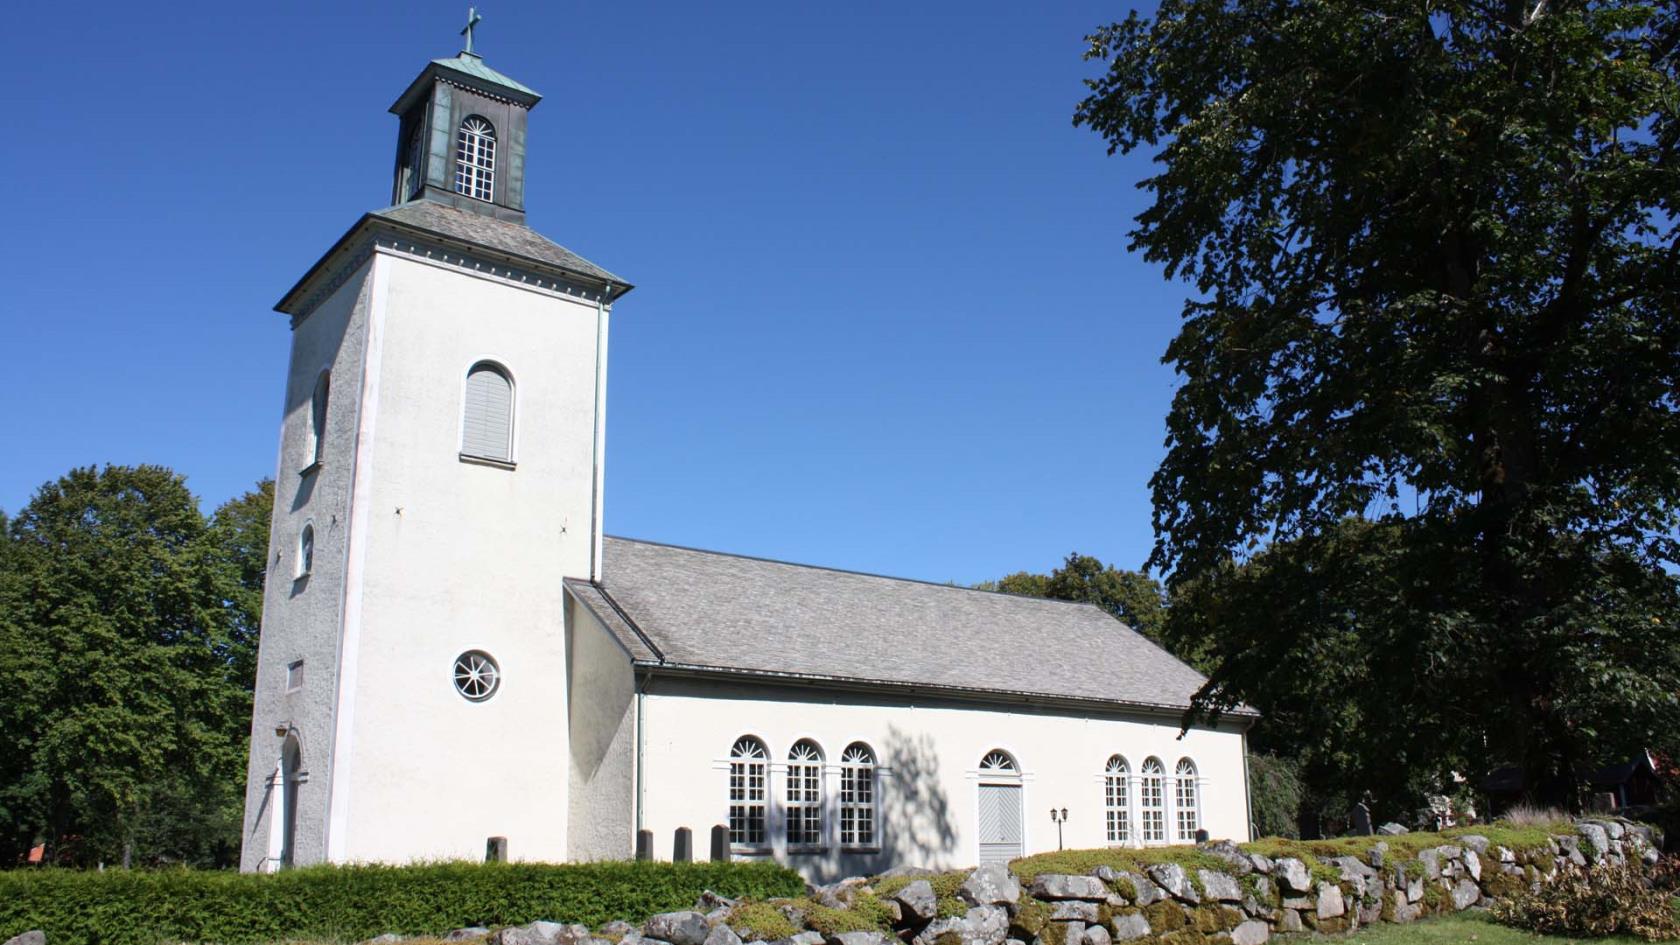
x: 476, y: 675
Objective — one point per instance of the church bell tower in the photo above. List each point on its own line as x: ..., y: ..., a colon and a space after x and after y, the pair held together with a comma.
x: 440, y: 475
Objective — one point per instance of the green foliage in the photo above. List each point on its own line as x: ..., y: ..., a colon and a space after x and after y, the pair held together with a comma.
x: 866, y: 914
x: 1275, y: 791
x: 1605, y: 900
x: 123, y: 907
x: 1460, y: 928
x: 760, y: 922
x: 127, y: 653
x: 1082, y: 862
x: 1420, y: 495
x: 1133, y: 597
x: 944, y: 890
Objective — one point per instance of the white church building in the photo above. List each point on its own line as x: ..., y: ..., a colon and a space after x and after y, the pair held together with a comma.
x: 452, y: 651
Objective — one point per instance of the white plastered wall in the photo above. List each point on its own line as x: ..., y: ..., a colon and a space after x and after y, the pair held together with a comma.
x: 602, y: 689
x: 301, y: 615
x: 454, y: 556
x: 929, y: 756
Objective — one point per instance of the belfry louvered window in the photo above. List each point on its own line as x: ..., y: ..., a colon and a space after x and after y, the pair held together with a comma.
x: 748, y: 763
x: 487, y: 422
x: 475, y: 159
x: 1188, y: 814
x: 805, y: 796
x: 1117, y: 800
x: 857, y: 796
x: 1152, y: 802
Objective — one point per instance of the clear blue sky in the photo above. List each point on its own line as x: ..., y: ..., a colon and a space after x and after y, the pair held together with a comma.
x: 885, y: 317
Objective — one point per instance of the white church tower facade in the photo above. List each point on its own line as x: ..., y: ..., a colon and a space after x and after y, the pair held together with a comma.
x: 440, y: 476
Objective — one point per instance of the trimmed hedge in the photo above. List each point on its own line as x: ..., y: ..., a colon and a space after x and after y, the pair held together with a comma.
x: 352, y: 903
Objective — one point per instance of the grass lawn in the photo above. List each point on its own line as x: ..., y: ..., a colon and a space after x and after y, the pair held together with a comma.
x: 1452, y: 930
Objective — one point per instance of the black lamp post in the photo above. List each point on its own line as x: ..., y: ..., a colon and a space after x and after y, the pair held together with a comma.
x: 1058, y: 818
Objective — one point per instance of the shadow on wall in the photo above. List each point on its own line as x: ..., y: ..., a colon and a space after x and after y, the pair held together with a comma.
x: 916, y: 827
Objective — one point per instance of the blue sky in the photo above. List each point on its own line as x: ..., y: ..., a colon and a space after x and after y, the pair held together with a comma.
x: 885, y: 316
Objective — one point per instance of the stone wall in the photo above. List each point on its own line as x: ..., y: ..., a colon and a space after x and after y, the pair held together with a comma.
x: 1214, y: 894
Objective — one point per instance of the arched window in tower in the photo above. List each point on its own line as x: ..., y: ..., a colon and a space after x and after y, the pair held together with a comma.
x: 857, y: 796
x: 1188, y: 816
x: 487, y: 417
x: 475, y: 159
x: 1117, y: 800
x: 306, y: 551
x: 318, y: 418
x: 1152, y: 801
x: 805, y: 795
x: 747, y: 766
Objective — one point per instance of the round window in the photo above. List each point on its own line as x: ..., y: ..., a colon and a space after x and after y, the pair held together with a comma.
x: 476, y: 675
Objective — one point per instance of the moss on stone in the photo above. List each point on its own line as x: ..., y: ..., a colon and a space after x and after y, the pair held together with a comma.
x: 1164, y: 916
x: 1125, y: 887
x: 1029, y: 919
x: 1206, y: 919
x: 760, y: 922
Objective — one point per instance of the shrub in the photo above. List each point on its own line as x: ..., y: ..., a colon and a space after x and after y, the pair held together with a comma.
x: 1527, y: 815
x: 1605, y: 900
x: 1276, y: 791
x: 339, y: 903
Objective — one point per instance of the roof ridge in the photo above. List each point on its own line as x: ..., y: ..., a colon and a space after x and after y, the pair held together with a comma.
x: 870, y: 574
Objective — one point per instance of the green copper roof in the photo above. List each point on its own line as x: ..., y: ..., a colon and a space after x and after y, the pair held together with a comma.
x: 473, y: 65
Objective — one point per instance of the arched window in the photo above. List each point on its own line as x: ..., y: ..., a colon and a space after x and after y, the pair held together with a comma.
x: 318, y: 417
x: 805, y: 795
x: 306, y: 551
x: 1189, y: 818
x: 747, y: 762
x: 1117, y: 800
x: 857, y: 796
x: 999, y: 763
x: 475, y: 159
x: 487, y: 418
x: 1152, y: 802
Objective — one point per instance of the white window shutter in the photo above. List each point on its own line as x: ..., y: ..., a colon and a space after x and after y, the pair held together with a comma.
x: 487, y: 431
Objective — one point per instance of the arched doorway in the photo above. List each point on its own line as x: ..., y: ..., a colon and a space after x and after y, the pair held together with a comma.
x: 290, y: 764
x: 1001, y: 828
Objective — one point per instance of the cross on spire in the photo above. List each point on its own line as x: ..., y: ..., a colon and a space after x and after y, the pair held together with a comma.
x: 472, y: 20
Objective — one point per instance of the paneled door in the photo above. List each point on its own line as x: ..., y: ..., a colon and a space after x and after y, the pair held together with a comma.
x: 1000, y: 823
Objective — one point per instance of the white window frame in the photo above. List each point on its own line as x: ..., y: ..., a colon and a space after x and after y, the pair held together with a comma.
x: 1117, y: 798
x: 1187, y: 811
x: 803, y: 823
x: 1152, y: 819
x: 860, y: 769
x: 305, y: 551
x: 475, y: 158
x: 749, y: 795
x: 319, y: 400
x: 499, y: 367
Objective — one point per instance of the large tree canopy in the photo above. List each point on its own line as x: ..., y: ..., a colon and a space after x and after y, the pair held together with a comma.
x: 127, y: 651
x: 1133, y: 597
x: 1431, y: 364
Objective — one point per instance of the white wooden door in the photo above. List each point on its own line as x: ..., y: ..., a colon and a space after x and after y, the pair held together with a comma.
x: 1000, y: 823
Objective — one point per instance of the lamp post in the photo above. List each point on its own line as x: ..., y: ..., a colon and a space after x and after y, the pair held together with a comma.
x: 1058, y: 818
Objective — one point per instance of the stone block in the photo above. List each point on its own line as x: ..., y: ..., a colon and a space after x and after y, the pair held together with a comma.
x: 1293, y: 875
x: 1073, y: 910
x: 1473, y: 865
x: 1055, y: 886
x: 857, y: 938
x: 722, y: 934
x: 1251, y: 933
x: 1220, y: 886
x: 678, y: 928
x: 31, y: 937
x: 1289, y: 921
x: 1172, y: 878
x: 918, y: 900
x: 1096, y: 935
x: 1128, y: 927
x: 994, y: 885
x: 1465, y: 894
x: 1330, y: 901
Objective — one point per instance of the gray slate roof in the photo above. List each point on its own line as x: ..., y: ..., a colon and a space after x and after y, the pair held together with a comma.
x: 681, y: 607
x: 515, y: 239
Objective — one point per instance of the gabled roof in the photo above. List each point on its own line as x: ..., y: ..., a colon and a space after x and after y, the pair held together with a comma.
x: 465, y: 69
x: 681, y: 609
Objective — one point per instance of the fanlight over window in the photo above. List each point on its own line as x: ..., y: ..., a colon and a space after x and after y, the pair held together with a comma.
x: 475, y: 159
x: 805, y: 795
x: 747, y: 766
x: 1117, y: 800
x: 998, y: 761
x: 857, y: 796
x: 1189, y: 817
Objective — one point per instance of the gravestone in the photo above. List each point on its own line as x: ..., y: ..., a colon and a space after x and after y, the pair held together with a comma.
x: 720, y: 843
x: 495, y: 850
x: 1361, y: 820
x: 644, y: 844
x: 682, y: 846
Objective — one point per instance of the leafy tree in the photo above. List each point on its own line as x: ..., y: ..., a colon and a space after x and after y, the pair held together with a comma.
x: 1437, y: 284
x: 124, y: 685
x: 1276, y: 792
x: 1133, y: 597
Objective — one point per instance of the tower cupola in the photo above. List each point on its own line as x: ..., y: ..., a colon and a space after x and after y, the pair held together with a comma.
x: 461, y: 139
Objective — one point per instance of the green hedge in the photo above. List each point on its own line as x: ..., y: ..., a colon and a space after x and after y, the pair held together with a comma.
x: 352, y: 903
